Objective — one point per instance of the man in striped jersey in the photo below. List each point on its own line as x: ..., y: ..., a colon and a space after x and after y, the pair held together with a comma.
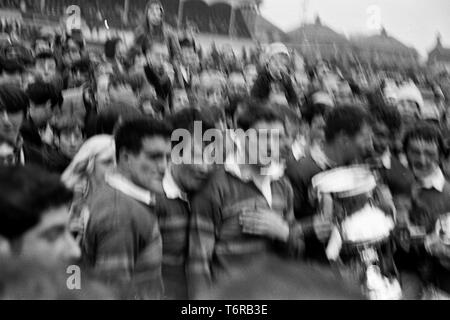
x: 245, y: 210
x: 181, y: 182
x: 123, y: 242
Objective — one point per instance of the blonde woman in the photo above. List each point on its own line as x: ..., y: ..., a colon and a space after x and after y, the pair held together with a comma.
x: 85, y: 174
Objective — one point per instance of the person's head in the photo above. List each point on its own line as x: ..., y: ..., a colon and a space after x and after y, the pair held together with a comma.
x: 46, y: 66
x: 34, y: 206
x: 278, y: 59
x: 115, y: 48
x: 11, y: 71
x: 68, y: 135
x: 42, y: 44
x: 7, y: 152
x: 71, y: 51
x: 95, y: 158
x: 266, y: 133
x: 315, y: 113
x: 211, y: 90
x: 120, y: 91
x: 154, y: 13
x: 386, y: 126
x: 347, y: 128
x: 191, y: 175
x: 236, y: 85
x: 424, y: 149
x: 13, y: 108
x: 143, y: 151
x: 409, y: 110
x: 180, y: 99
x: 43, y: 99
x: 250, y: 74
x: 80, y: 73
x: 188, y: 54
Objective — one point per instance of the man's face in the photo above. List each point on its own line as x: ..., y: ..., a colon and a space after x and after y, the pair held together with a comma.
x: 121, y: 49
x: 123, y: 93
x: 408, y: 110
x: 381, y: 137
x: 147, y: 168
x: 51, y: 240
x: 41, y: 114
x: 192, y: 177
x: 10, y: 124
x: 180, y: 100
x: 250, y: 74
x: 70, y: 142
x: 158, y: 56
x: 42, y: 46
x: 423, y: 157
x: 155, y: 14
x: 7, y: 157
x: 46, y: 68
x: 237, y: 85
x: 268, y: 146
x: 278, y: 64
x: 190, y: 58
x: 360, y: 146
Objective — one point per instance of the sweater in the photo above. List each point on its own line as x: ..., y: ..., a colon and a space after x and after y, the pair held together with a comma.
x: 123, y: 244
x: 217, y: 245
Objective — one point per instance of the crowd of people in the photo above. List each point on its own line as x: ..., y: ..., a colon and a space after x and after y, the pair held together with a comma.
x: 88, y: 177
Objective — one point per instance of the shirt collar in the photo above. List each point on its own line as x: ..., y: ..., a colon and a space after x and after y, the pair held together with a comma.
x: 122, y: 184
x: 171, y: 189
x: 298, y: 148
x: 435, y: 180
x: 320, y: 158
x: 274, y: 172
x: 386, y: 159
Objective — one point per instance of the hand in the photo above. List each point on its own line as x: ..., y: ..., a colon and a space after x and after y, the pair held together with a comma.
x: 265, y: 223
x: 322, y: 227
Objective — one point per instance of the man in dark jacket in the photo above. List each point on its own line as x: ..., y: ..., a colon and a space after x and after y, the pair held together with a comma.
x: 348, y: 139
x: 274, y: 78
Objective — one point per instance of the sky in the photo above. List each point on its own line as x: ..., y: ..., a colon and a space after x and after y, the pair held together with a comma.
x: 414, y: 22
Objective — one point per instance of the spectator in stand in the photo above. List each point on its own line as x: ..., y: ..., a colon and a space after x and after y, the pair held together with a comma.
x: 154, y: 29
x: 157, y: 56
x: 275, y: 73
x: 67, y: 139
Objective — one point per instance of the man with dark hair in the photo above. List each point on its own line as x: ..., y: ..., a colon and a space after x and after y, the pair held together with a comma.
x: 34, y: 215
x: 182, y: 180
x: 424, y: 150
x: 157, y: 56
x: 68, y: 137
x: 123, y: 240
x: 115, y: 53
x: 245, y: 211
x: 387, y: 126
x: 46, y: 66
x: 348, y: 139
x: 11, y: 71
x: 14, y: 106
x: 44, y: 98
